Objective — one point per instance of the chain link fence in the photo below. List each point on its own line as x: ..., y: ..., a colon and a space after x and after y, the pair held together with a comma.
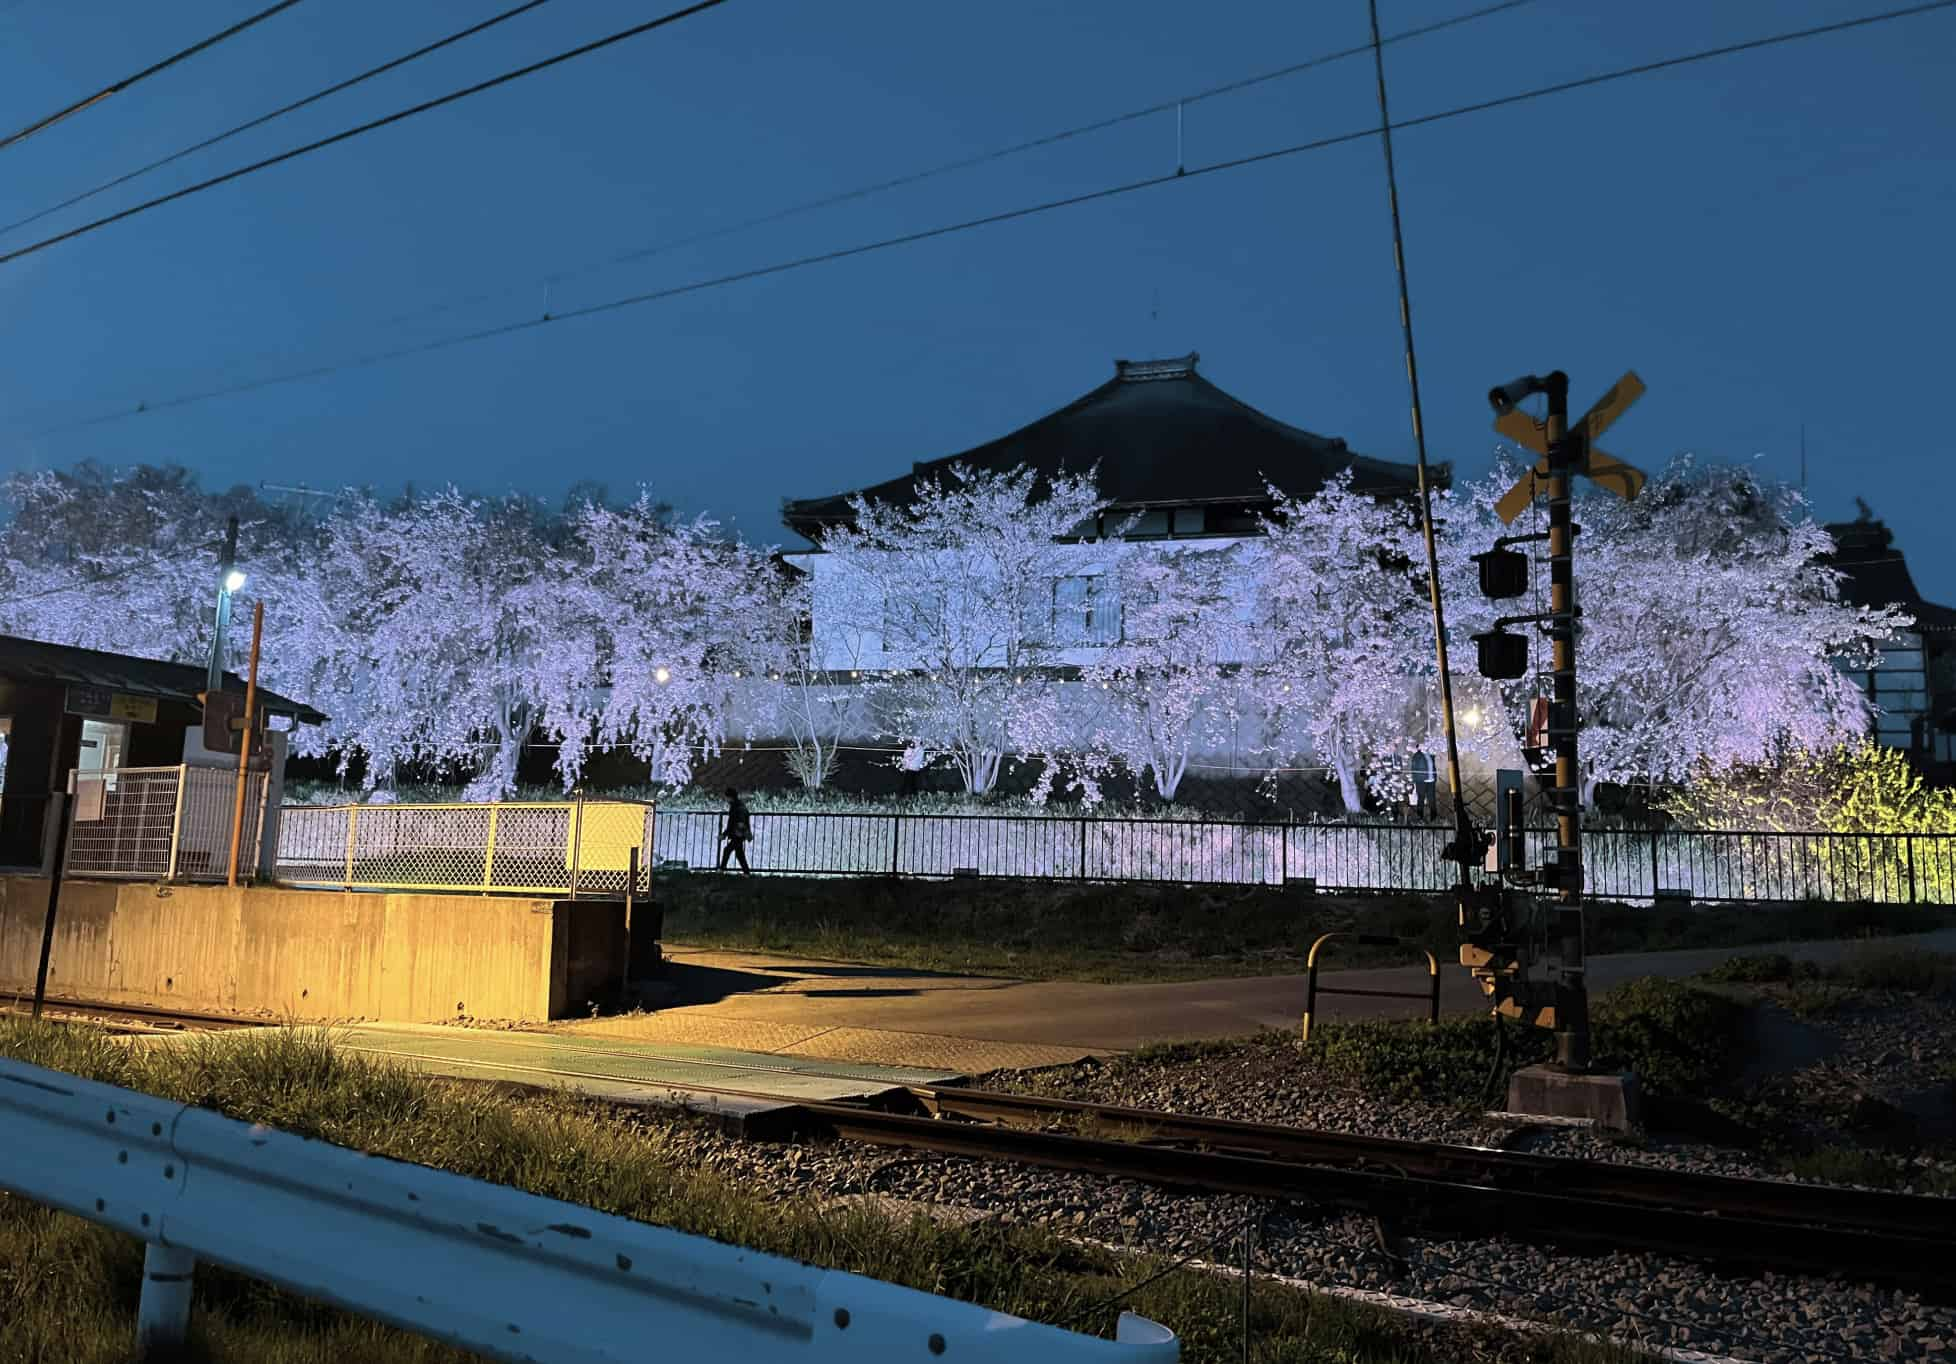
x: 555, y: 848
x: 162, y: 823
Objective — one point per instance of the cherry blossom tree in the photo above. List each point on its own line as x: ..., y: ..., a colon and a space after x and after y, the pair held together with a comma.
x: 1173, y: 680
x: 813, y: 702
x: 657, y: 630
x: 1710, y: 624
x: 953, y: 596
x: 1345, y: 634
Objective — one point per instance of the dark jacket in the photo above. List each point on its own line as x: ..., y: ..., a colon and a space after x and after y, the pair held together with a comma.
x: 740, y: 825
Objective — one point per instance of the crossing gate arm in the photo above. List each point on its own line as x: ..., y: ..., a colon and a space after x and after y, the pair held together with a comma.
x: 1312, y: 989
x: 496, y: 1270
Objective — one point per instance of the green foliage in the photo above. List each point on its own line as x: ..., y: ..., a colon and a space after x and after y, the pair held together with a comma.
x: 1681, y: 1041
x: 1758, y: 969
x: 1909, y: 972
x: 1854, y: 788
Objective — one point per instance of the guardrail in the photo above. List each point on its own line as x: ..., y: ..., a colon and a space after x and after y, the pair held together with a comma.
x: 506, y: 1273
x: 1619, y: 864
x: 571, y: 848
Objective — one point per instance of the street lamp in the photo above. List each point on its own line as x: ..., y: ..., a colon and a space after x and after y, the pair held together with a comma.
x: 661, y: 675
x: 229, y: 579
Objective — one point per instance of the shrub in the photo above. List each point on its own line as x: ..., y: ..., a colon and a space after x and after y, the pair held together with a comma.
x: 1681, y: 1041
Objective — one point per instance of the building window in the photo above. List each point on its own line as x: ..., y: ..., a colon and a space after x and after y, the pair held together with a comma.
x: 1187, y: 521
x: 1086, y: 610
x: 1149, y: 525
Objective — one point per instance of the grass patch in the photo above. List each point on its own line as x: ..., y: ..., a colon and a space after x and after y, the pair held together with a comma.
x: 68, y: 1289
x: 1046, y: 930
x: 1681, y: 1041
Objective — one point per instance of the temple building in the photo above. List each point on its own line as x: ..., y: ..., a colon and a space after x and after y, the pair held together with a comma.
x: 1914, y: 689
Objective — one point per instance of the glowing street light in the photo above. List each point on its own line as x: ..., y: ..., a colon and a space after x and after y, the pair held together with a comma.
x: 235, y: 580
x: 1472, y: 719
x: 662, y: 675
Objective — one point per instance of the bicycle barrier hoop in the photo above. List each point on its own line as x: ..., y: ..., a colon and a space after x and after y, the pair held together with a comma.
x: 1312, y: 989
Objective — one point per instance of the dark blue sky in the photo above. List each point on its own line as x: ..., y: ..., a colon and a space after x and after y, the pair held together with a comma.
x: 1767, y: 239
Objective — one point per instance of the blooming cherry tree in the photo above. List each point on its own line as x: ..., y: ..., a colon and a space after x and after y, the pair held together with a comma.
x: 953, y: 595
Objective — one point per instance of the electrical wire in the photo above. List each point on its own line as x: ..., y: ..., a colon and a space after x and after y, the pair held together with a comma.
x: 386, y: 120
x: 279, y: 112
x: 963, y: 163
x: 44, y: 123
x: 987, y: 220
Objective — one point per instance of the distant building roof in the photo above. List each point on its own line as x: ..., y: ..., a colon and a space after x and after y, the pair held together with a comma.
x: 1875, y: 574
x: 43, y: 662
x: 1161, y: 435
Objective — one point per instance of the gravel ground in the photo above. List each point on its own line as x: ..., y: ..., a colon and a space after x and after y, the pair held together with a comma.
x: 1774, y: 1319
x: 1878, y: 1051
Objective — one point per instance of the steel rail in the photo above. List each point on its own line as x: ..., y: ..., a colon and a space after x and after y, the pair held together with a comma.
x: 1583, y: 1214
x: 1827, y: 1205
x: 144, y: 1013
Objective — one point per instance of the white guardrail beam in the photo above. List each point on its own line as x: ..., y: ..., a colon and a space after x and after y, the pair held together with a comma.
x: 496, y: 1270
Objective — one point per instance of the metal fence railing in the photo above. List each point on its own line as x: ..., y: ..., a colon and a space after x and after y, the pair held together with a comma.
x: 565, y: 848
x: 1620, y: 864
x: 162, y: 823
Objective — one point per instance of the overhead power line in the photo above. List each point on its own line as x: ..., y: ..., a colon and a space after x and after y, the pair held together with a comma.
x: 371, y: 125
x: 968, y: 162
x: 1178, y: 176
x: 279, y: 112
x: 42, y: 124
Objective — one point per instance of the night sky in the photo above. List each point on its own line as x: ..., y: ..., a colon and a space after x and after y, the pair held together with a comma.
x: 1765, y: 238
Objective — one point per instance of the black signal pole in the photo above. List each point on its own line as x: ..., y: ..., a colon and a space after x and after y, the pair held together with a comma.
x: 1571, y: 991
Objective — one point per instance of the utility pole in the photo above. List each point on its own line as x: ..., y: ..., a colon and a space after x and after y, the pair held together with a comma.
x: 1571, y: 990
x: 229, y: 580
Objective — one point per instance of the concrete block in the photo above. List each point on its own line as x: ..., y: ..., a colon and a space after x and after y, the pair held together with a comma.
x: 1606, y: 1098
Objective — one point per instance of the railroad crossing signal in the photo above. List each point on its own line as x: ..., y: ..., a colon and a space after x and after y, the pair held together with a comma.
x: 1625, y: 480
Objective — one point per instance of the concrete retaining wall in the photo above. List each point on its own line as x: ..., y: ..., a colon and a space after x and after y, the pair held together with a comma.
x: 313, y: 954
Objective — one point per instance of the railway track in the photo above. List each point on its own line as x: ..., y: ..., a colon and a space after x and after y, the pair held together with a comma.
x: 136, y: 1017
x: 1432, y: 1188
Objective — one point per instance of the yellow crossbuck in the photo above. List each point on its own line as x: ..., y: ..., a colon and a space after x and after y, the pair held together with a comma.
x: 1625, y: 480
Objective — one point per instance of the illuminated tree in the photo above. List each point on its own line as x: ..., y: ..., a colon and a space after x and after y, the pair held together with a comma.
x: 954, y: 596
x: 1710, y: 625
x: 1173, y: 680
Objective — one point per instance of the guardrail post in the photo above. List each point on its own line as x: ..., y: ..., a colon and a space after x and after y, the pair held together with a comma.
x: 1908, y: 842
x: 577, y: 843
x: 176, y: 823
x: 163, y: 1311
x: 489, y: 848
x: 896, y: 839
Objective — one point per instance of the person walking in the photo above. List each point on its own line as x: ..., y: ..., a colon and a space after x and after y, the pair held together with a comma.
x: 739, y: 829
x: 913, y: 768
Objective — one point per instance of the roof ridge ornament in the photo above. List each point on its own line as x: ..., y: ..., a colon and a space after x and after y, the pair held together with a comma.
x: 1141, y: 371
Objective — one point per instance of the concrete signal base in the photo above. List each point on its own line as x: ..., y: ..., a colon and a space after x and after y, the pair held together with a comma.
x: 1608, y: 1099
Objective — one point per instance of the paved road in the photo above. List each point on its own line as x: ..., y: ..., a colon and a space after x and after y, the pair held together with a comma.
x: 873, y: 1013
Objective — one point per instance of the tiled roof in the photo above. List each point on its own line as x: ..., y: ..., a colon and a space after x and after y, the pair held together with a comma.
x: 1160, y: 434
x: 40, y: 661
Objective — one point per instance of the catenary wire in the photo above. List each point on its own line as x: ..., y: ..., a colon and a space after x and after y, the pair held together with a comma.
x: 48, y: 121
x: 345, y: 134
x: 962, y: 163
x: 986, y: 220
x: 279, y: 112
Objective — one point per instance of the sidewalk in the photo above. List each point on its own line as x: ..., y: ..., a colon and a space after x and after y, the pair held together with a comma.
x: 891, y: 1016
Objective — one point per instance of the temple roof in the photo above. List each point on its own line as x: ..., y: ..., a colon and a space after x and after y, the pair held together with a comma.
x: 1875, y: 574
x: 1161, y: 435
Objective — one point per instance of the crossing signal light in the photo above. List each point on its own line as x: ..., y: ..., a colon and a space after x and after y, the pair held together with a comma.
x: 1503, y: 656
x: 1504, y: 573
